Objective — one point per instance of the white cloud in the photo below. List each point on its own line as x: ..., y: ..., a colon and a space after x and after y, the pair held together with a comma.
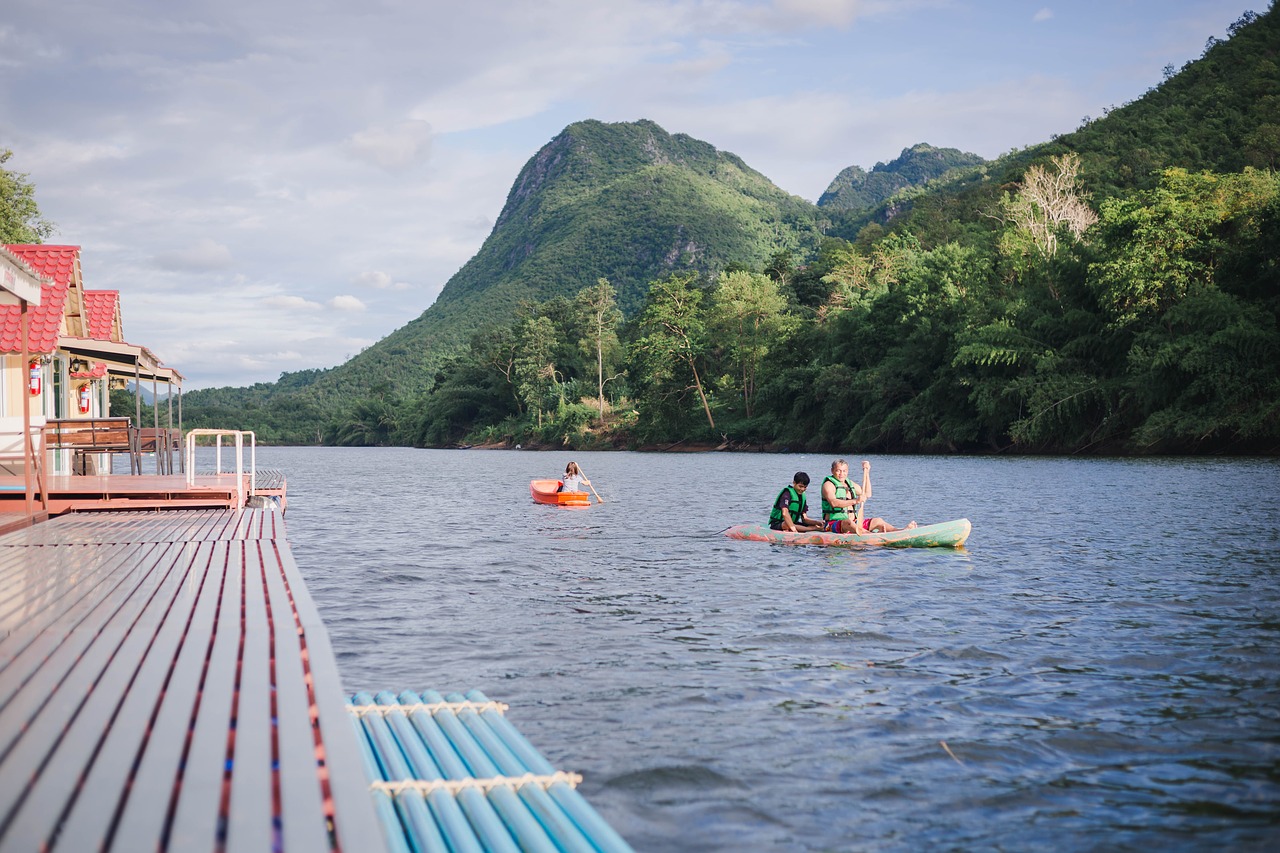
x: 64, y: 153
x: 376, y: 279
x: 346, y: 302
x: 1043, y: 15
x: 712, y: 56
x: 379, y: 280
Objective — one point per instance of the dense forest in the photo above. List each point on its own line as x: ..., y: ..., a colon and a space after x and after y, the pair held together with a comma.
x: 1113, y: 290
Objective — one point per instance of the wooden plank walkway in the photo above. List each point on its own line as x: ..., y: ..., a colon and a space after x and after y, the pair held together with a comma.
x: 166, y: 684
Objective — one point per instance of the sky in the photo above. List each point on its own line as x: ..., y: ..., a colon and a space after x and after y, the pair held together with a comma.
x: 274, y: 185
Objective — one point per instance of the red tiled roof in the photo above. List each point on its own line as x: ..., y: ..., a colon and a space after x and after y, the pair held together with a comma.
x: 54, y: 262
x: 100, y: 312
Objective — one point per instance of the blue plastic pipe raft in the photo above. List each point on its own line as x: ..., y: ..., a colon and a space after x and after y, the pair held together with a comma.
x: 452, y: 774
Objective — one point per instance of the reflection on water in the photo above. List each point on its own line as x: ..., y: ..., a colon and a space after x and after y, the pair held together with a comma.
x: 1096, y: 669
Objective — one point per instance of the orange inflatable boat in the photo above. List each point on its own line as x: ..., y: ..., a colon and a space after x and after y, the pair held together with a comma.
x: 545, y: 492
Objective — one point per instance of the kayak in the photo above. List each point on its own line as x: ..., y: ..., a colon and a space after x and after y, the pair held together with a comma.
x: 948, y: 534
x: 544, y: 492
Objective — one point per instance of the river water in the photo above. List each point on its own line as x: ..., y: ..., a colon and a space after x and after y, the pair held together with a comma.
x: 1098, y: 667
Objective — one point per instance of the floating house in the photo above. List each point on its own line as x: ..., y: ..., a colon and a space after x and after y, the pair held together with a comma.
x: 63, y: 350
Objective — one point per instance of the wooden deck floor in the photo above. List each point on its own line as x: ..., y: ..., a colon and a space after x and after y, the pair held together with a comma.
x: 166, y: 684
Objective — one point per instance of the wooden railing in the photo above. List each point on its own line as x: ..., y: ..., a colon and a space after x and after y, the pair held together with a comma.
x: 88, y: 436
x: 93, y: 435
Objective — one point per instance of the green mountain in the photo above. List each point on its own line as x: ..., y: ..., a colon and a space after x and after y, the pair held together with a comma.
x: 858, y: 191
x: 627, y: 202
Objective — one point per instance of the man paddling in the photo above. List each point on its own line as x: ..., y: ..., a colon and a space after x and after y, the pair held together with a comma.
x: 842, y: 502
x: 789, y: 508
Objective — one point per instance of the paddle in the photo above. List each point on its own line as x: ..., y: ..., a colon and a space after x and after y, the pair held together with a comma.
x: 584, y: 476
x: 866, y: 493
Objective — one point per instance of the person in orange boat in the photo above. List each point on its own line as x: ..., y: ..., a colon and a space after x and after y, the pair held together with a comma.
x: 841, y: 501
x: 573, y: 480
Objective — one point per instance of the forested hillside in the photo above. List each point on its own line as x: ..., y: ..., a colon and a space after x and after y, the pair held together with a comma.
x: 1113, y: 290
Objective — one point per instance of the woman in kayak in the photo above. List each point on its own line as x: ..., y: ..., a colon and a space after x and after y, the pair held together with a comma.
x: 573, y: 480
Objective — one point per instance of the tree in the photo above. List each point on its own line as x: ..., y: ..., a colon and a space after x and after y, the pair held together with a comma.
x: 1262, y: 146
x: 1208, y: 376
x: 1189, y: 270
x: 535, y: 370
x: 749, y: 314
x: 469, y: 395
x: 781, y: 268
x: 856, y: 277
x: 1049, y: 203
x: 1161, y: 246
x: 601, y: 316
x: 371, y: 421
x: 20, y: 219
x: 674, y: 332
x: 498, y: 348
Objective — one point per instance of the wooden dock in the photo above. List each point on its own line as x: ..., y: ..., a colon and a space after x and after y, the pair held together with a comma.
x: 166, y: 684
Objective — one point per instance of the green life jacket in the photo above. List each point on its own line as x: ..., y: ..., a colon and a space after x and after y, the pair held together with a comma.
x: 844, y: 491
x: 795, y: 505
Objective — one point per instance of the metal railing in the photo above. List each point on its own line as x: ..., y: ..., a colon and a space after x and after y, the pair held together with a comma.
x: 239, y: 435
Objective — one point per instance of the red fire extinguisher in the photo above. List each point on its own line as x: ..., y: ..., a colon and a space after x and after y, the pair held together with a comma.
x: 84, y: 398
x: 34, y: 382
